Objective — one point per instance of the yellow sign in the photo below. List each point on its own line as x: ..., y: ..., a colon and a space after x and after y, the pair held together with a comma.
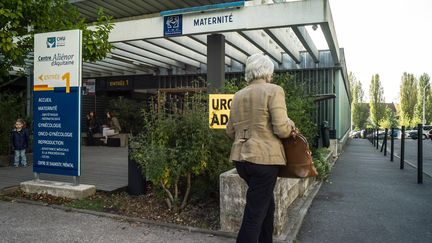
x: 219, y: 110
x: 118, y: 83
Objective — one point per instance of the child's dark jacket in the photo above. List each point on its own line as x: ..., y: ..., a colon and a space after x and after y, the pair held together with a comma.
x: 20, y: 139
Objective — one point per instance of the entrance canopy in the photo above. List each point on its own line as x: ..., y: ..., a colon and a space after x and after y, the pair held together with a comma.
x: 171, y: 36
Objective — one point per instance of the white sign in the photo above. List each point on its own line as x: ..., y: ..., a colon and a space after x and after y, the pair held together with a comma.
x: 57, y: 59
x: 212, y: 21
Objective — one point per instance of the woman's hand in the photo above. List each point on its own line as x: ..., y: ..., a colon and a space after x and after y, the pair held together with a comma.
x: 295, y: 132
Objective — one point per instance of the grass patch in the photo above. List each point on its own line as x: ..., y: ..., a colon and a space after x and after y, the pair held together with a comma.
x: 95, y: 204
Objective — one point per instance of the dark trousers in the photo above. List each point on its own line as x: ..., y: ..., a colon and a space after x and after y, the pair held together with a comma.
x: 90, y: 141
x: 257, y: 225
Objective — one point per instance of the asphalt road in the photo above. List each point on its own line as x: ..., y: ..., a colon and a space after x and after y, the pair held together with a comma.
x: 369, y: 199
x: 20, y: 222
x: 411, y: 153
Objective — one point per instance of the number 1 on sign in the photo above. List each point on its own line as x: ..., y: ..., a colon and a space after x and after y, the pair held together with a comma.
x: 66, y: 77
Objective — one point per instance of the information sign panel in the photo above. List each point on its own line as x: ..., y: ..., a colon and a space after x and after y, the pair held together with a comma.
x: 57, y: 103
x: 219, y: 110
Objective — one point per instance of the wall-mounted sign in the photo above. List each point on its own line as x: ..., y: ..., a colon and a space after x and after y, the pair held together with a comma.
x: 219, y: 110
x: 173, y: 25
x: 221, y: 19
x: 211, y: 21
x: 89, y: 87
x: 57, y: 103
x: 119, y: 83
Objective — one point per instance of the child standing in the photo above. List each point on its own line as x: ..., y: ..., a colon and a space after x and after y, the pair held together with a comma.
x: 19, y: 141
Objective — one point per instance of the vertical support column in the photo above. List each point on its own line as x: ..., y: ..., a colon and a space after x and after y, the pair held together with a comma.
x: 35, y: 176
x: 76, y: 180
x: 215, y: 62
x: 29, y: 97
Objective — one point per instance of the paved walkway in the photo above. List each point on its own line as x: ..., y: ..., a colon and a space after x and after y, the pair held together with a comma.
x: 369, y: 199
x: 20, y: 222
x: 104, y: 167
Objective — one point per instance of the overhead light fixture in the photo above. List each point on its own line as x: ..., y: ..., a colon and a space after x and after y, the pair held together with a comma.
x: 314, y: 27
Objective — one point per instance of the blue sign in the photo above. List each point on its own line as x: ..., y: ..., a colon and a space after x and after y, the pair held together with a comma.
x: 173, y: 25
x: 56, y: 131
x: 57, y: 103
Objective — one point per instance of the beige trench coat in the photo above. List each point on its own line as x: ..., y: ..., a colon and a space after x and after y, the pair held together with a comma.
x: 258, y: 119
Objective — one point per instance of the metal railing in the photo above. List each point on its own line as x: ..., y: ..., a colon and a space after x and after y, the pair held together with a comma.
x: 373, y: 136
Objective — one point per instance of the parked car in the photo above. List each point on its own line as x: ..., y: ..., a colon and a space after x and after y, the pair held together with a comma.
x: 414, y: 133
x: 355, y: 134
x: 396, y: 133
x: 380, y: 134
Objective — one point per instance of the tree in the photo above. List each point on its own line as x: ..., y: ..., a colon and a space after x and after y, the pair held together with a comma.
x: 408, y: 99
x: 389, y: 120
x: 428, y: 107
x: 352, y: 82
x: 21, y: 19
x: 376, y: 105
x: 422, y: 91
x: 359, y: 110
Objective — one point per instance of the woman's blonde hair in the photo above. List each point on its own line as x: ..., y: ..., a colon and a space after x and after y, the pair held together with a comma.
x: 258, y: 66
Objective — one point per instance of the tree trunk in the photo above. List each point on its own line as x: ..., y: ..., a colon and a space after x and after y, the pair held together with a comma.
x: 169, y: 200
x: 9, y: 82
x: 186, y: 196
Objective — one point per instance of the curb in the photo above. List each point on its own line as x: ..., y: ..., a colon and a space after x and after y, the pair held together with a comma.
x: 127, y: 218
x: 297, y: 213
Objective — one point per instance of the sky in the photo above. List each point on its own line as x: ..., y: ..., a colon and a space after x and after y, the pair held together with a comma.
x: 387, y: 37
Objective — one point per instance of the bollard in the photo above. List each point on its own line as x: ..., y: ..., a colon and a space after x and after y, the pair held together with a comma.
x: 385, y: 141
x: 373, y: 137
x: 377, y: 138
x: 420, y: 153
x: 402, y: 157
x: 392, y: 144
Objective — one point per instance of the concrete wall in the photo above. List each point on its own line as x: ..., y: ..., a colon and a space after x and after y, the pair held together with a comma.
x: 233, y: 199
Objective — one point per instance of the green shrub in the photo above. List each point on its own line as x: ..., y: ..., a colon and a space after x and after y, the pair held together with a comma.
x: 174, y: 147
x: 183, y: 157
x: 300, y: 105
x: 321, y: 164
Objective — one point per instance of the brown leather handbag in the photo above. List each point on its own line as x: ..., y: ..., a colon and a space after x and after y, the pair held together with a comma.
x: 298, y: 158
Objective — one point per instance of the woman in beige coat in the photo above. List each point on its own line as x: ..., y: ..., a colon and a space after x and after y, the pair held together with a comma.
x: 258, y: 120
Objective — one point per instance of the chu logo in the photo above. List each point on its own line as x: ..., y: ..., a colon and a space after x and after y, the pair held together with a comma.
x: 173, y: 25
x: 53, y: 42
